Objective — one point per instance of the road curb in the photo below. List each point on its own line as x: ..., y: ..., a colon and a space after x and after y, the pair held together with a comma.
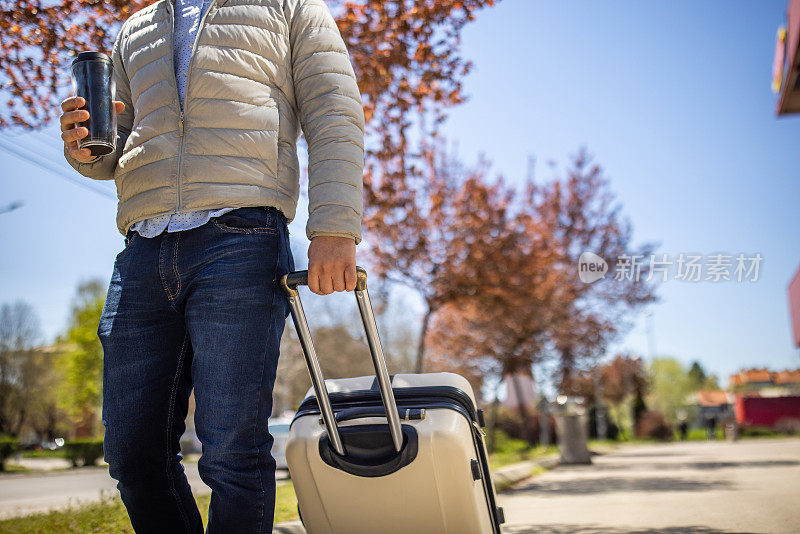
x: 510, y: 475
x: 291, y: 527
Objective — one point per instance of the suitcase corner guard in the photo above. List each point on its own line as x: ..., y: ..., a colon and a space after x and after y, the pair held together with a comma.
x: 370, y: 450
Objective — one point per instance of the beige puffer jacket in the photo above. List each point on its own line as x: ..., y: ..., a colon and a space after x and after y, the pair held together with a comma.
x: 260, y: 70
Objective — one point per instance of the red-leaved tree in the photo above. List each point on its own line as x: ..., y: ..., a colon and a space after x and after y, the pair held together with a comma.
x: 540, y: 309
x: 443, y: 232
x: 405, y: 54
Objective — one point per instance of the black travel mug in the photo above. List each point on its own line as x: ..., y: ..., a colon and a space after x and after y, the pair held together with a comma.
x: 93, y: 79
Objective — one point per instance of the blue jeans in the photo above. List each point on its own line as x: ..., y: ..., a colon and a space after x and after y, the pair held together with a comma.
x: 199, y: 309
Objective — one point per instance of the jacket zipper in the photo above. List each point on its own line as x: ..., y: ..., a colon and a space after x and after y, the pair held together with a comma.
x: 171, y: 10
x: 186, y: 98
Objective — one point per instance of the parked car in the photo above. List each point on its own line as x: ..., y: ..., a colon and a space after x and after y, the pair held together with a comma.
x: 279, y: 428
x: 189, y: 443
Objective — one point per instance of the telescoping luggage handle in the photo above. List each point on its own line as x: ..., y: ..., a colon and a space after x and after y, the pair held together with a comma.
x: 290, y: 282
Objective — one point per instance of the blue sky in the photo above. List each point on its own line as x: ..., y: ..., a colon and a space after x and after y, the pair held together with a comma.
x: 673, y: 100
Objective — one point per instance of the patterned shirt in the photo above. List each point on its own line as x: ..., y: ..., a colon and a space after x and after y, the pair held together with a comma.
x: 187, y: 21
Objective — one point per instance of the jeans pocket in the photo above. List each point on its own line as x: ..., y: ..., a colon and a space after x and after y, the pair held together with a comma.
x: 259, y: 220
x: 130, y: 237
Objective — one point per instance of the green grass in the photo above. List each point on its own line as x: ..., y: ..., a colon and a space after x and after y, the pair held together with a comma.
x: 44, y: 453
x: 700, y: 434
x: 760, y: 432
x: 603, y: 443
x: 109, y: 516
x: 13, y: 468
x: 509, y: 451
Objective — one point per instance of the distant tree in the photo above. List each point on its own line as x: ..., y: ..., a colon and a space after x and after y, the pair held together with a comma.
x: 341, y: 355
x: 19, y: 326
x: 38, y: 393
x: 624, y: 383
x: 19, y: 333
x: 82, y: 359
x: 535, y: 307
x: 672, y: 387
x: 697, y: 374
x: 622, y: 377
x: 700, y: 379
x: 581, y: 213
x: 440, y: 234
x: 291, y: 382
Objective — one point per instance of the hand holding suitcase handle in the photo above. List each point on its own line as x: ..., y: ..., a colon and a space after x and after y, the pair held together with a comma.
x: 289, y: 282
x: 300, y: 278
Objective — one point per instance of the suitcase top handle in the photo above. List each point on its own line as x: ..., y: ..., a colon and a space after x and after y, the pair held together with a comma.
x: 289, y: 282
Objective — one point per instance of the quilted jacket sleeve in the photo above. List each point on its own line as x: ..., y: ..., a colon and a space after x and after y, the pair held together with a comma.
x: 102, y: 168
x: 332, y: 118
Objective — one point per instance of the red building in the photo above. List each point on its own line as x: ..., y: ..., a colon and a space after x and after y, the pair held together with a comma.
x: 794, y: 306
x: 768, y: 399
x: 786, y: 68
x: 767, y: 412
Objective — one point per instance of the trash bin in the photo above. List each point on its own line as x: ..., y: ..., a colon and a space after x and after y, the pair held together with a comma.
x: 731, y: 431
x: 572, y: 429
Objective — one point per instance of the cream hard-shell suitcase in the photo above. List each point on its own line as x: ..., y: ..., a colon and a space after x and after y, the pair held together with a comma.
x: 380, y: 454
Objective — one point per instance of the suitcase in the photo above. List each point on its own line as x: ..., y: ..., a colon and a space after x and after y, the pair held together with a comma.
x: 380, y: 454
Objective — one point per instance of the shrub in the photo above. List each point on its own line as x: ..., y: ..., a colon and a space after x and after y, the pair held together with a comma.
x: 788, y: 426
x: 612, y: 430
x: 653, y: 425
x: 83, y: 451
x: 510, y: 422
x: 504, y: 444
x: 8, y: 446
x: 758, y: 432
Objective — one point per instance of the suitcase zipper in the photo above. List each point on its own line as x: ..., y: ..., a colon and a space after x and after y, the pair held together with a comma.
x: 413, y: 397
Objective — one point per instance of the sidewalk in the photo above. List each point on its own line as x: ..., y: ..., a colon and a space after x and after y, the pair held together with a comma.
x: 40, y: 464
x: 713, y: 487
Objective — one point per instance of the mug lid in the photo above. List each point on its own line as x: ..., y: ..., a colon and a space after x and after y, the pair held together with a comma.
x: 91, y: 56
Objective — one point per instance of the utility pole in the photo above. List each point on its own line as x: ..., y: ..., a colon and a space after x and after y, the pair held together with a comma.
x: 651, y: 335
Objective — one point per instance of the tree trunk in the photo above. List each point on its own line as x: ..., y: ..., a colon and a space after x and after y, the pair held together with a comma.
x: 421, y: 346
x: 599, y: 410
x: 493, y: 422
x: 544, y: 423
x: 523, y: 410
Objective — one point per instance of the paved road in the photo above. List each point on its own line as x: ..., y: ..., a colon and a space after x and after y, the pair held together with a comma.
x: 693, y: 488
x: 28, y: 492
x: 751, y: 486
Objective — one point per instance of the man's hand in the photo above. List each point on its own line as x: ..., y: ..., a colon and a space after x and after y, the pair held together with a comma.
x: 72, y: 115
x: 331, y: 264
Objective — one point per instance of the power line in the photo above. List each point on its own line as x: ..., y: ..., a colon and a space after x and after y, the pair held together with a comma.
x: 49, y: 145
x: 16, y: 151
x: 11, y: 207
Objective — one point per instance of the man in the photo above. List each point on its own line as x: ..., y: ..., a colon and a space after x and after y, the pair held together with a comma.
x: 211, y: 96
